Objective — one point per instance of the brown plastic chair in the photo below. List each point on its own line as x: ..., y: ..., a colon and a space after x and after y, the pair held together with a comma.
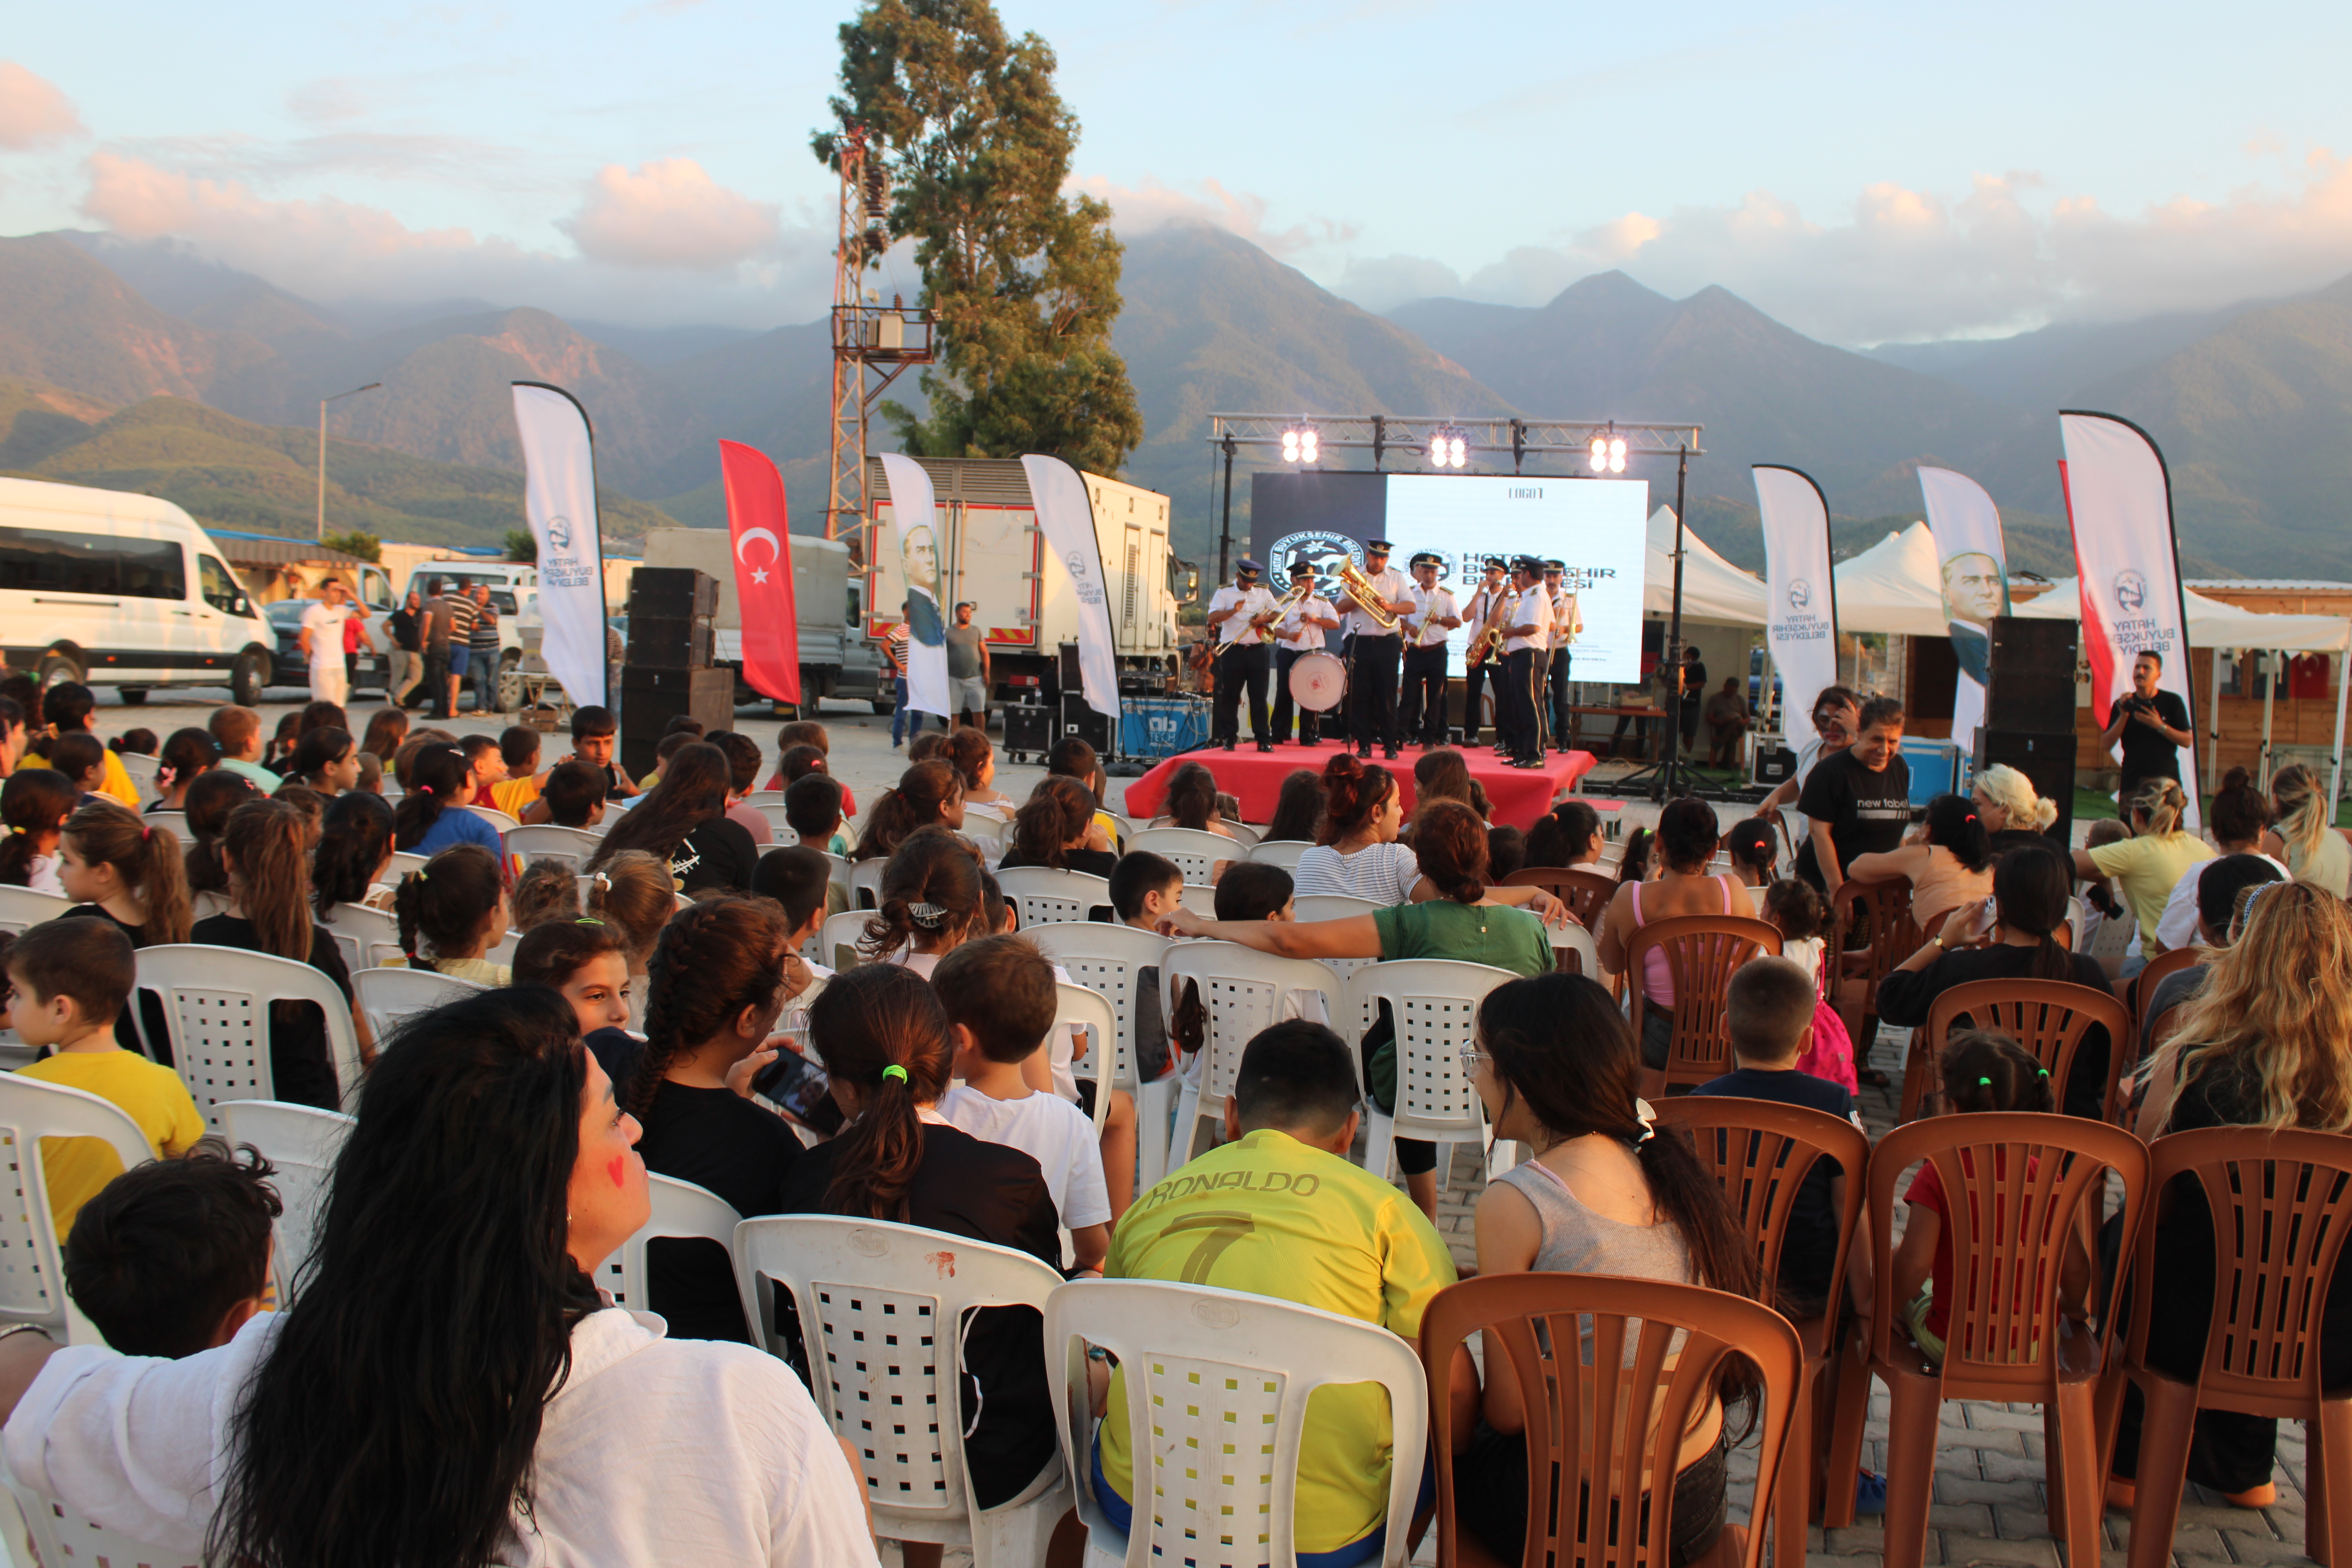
x: 2140, y: 987
x: 2282, y: 1203
x: 1615, y: 1481
x: 1762, y: 1150
x: 1586, y: 893
x: 2021, y: 1187
x: 2048, y: 1017
x: 1879, y: 909
x: 1701, y: 951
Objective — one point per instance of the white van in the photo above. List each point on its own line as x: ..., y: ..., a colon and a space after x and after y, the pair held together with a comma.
x: 121, y: 590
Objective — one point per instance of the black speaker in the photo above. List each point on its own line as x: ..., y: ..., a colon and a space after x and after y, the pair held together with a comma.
x: 1080, y: 719
x: 2031, y: 686
x: 2046, y: 759
x: 671, y: 642
x: 1067, y: 663
x: 1028, y: 730
x: 680, y: 592
x: 651, y: 696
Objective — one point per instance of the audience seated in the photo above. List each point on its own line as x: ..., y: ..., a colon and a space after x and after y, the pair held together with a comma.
x: 34, y: 806
x: 1144, y: 887
x: 355, y: 853
x: 682, y: 822
x: 743, y: 777
x: 187, y: 754
x: 173, y: 1257
x: 633, y: 893
x: 2013, y: 815
x: 432, y: 816
x: 813, y: 810
x: 1192, y: 802
x: 572, y: 796
x: 585, y: 962
x: 2222, y: 885
x: 1297, y: 809
x: 2148, y: 865
x: 927, y: 796
x: 453, y: 911
x: 1686, y: 840
x: 1056, y: 828
x: 967, y: 750
x: 1567, y: 836
x: 2305, y: 835
x: 545, y: 890
x: 1949, y: 865
x: 2238, y: 816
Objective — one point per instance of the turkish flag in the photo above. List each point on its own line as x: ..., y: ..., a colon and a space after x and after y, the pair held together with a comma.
x: 761, y: 533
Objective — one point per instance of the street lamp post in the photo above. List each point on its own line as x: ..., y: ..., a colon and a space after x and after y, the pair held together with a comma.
x: 354, y: 392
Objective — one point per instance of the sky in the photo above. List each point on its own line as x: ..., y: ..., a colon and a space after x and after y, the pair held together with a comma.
x: 1895, y: 174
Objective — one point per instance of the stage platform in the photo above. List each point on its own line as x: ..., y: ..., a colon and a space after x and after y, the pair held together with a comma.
x: 1519, y: 795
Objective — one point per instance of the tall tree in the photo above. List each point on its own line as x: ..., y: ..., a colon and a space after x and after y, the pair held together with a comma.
x: 1025, y: 280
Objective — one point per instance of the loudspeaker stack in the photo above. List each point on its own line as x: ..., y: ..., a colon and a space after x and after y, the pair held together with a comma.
x: 2029, y: 710
x: 668, y: 672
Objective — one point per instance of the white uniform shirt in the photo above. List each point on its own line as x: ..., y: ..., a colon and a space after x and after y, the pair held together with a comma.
x: 1310, y: 615
x: 1482, y: 606
x: 1389, y: 585
x: 1533, y: 604
x: 1567, y: 620
x: 1423, y: 598
x: 1255, y: 601
x: 325, y: 625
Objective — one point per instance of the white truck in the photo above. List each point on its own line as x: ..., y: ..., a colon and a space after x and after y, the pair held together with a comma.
x: 986, y: 548
x: 836, y: 658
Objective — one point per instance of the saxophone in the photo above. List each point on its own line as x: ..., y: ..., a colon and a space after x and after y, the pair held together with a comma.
x: 1489, y: 641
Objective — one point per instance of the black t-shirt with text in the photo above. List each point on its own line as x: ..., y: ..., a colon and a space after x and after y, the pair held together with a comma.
x: 2147, y: 754
x: 1867, y: 812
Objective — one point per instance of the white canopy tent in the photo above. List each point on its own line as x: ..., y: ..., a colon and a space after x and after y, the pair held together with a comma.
x: 1714, y: 591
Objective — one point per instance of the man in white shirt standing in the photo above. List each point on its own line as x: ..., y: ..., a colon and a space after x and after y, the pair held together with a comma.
x: 1300, y: 631
x: 1526, y: 639
x: 1240, y: 615
x: 321, y: 638
x: 1434, y: 614
x: 1493, y: 591
x: 1566, y: 622
x: 1372, y: 656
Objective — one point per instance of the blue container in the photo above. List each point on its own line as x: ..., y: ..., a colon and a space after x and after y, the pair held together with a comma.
x: 1935, y: 767
x: 1156, y: 727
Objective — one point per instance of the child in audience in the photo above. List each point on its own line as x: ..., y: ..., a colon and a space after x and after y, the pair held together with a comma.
x: 790, y: 739
x: 133, y: 742
x: 1795, y: 910
x: 927, y: 749
x: 928, y: 794
x: 80, y: 758
x: 584, y: 960
x: 931, y: 901
x: 73, y: 980
x: 186, y: 756
x: 452, y: 912
x: 572, y: 796
x: 632, y: 892
x: 432, y: 816
x: 797, y: 764
x: 968, y: 752
x: 327, y: 759
x: 1254, y: 890
x: 547, y: 890
x: 280, y: 751
x: 680, y: 724
x: 721, y: 978
x: 999, y: 998
x: 743, y: 777
x: 34, y: 806
x: 1073, y: 758
x: 355, y: 853
x: 266, y: 851
x: 67, y: 708
x: 1298, y: 808
x: 122, y: 869
x: 486, y: 768
x: 800, y: 880
x: 1633, y: 866
x: 238, y: 733
x: 172, y: 1258
x: 595, y: 736
x: 885, y: 1041
x: 519, y: 750
x: 1567, y: 836
x: 1144, y: 887
x: 387, y: 728
x: 813, y: 810
x: 1793, y: 907
x: 371, y: 775
x: 1192, y: 802
x: 210, y: 801
x: 1056, y: 828
x: 1506, y: 851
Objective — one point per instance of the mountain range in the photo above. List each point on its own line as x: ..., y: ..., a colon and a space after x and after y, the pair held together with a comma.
x: 2248, y: 400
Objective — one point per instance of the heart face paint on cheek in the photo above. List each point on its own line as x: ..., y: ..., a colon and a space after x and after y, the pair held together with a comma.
x: 618, y: 1169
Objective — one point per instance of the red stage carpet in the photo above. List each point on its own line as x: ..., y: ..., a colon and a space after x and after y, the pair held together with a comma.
x: 1519, y: 795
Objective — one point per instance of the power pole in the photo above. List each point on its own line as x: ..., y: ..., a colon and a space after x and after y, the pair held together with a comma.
x: 872, y: 342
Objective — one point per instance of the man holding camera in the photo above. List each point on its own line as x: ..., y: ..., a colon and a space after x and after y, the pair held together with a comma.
x: 2153, y: 725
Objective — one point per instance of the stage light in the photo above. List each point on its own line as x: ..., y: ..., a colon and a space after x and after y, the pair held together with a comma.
x: 1600, y: 454
x: 1302, y: 442
x: 1290, y: 446
x: 1617, y: 455
x: 1448, y: 447
x: 1310, y: 445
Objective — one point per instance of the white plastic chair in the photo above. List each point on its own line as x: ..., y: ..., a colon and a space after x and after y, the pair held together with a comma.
x: 22, y: 907
x: 495, y: 818
x: 1199, y: 1367
x: 1244, y: 834
x: 204, y: 906
x: 1571, y: 935
x: 681, y: 1211
x: 32, y: 1274
x: 216, y: 1008
x: 880, y: 1307
x: 402, y: 863
x: 866, y: 882
x: 1332, y: 906
x: 367, y: 938
x: 839, y: 937
x: 781, y: 832
x: 1282, y: 852
x: 302, y: 1143
x: 1044, y: 895
x: 1089, y: 1011
x: 1244, y: 991
x: 142, y: 770
x: 2075, y: 921
x: 1108, y: 959
x: 1433, y: 1004
x: 391, y: 997
x: 573, y: 847
x: 990, y: 832
x: 764, y: 797
x: 1194, y: 852
x: 1201, y: 901
x: 177, y: 821
x: 62, y: 1537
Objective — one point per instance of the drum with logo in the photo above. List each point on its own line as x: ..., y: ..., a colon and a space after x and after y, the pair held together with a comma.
x: 1318, y: 681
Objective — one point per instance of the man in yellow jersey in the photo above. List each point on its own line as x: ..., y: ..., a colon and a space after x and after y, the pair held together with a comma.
x: 1281, y: 1211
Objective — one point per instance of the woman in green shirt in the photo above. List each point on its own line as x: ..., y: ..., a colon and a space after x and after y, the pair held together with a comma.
x: 1464, y: 923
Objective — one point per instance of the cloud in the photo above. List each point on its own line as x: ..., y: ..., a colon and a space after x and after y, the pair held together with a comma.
x: 669, y: 214
x: 1906, y: 264
x: 1140, y: 209
x: 33, y: 112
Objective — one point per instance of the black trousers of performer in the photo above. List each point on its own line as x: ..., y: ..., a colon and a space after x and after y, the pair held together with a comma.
x: 1560, y: 727
x: 1284, y: 658
x: 1514, y: 705
x: 1372, y: 690
x: 1237, y: 665
x: 1423, y: 715
x: 1474, y: 682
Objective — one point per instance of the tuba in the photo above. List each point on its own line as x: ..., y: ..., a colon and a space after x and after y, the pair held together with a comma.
x: 1365, y: 594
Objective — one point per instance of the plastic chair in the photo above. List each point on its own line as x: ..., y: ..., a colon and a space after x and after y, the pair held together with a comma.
x: 840, y: 935
x: 881, y: 1302
x: 1434, y: 1004
x: 367, y: 938
x: 21, y: 908
x: 1243, y: 991
x: 1044, y: 895
x: 32, y: 1272
x: 402, y: 863
x: 1585, y: 892
x: 302, y: 1143
x: 1702, y: 951
x: 990, y: 832
x: 2281, y: 1201
x: 2021, y: 1188
x: 1199, y: 1366
x: 2072, y: 930
x: 1078, y: 1007
x: 1282, y: 852
x: 1194, y: 852
x: 2141, y: 988
x: 177, y: 821
x: 1881, y: 910
x: 2048, y: 1017
x: 781, y: 832
x: 1332, y: 906
x: 142, y: 770
x: 866, y: 883
x: 573, y: 847
x: 764, y: 797
x: 391, y: 997
x: 495, y: 818
x: 1656, y: 1346
x: 1108, y: 959
x: 681, y: 1211
x: 1201, y: 901
x: 61, y: 1538
x: 1573, y: 939
x: 216, y: 1008
x: 1762, y: 1152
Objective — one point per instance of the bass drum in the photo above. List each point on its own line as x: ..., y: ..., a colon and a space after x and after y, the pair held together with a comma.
x: 1318, y: 681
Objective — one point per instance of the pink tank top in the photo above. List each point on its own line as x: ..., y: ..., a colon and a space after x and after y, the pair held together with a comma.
x: 1657, y: 979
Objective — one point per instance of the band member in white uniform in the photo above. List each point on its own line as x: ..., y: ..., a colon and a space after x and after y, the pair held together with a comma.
x: 1527, y: 640
x: 1372, y: 656
x: 1233, y: 615
x: 1566, y: 622
x: 1300, y: 630
x: 1475, y: 670
x: 1433, y: 615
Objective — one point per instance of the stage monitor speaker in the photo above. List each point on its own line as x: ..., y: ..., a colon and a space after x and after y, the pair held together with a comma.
x: 1770, y: 763
x: 671, y: 642
x: 1066, y: 660
x: 680, y: 591
x: 1028, y: 730
x: 652, y: 697
x: 2047, y: 760
x: 2031, y: 686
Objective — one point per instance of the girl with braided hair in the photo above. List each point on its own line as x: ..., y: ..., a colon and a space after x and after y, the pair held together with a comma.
x: 721, y: 977
x: 452, y: 912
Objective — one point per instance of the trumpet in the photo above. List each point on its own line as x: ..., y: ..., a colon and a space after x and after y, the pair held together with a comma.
x: 1365, y: 594
x: 1261, y: 622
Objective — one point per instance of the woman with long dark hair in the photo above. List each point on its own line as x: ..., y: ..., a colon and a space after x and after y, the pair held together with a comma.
x: 928, y: 794
x: 354, y: 853
x: 1606, y: 1193
x: 1055, y: 828
x: 1298, y: 808
x: 404, y: 1413
x: 432, y: 816
x: 1192, y: 802
x: 210, y: 801
x: 1686, y: 838
x: 1951, y: 864
x: 683, y: 822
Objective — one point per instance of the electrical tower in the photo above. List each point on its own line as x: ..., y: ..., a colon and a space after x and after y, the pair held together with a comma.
x: 872, y: 342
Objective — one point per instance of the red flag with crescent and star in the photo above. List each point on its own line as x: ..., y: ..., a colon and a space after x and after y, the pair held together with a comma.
x: 762, y: 534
